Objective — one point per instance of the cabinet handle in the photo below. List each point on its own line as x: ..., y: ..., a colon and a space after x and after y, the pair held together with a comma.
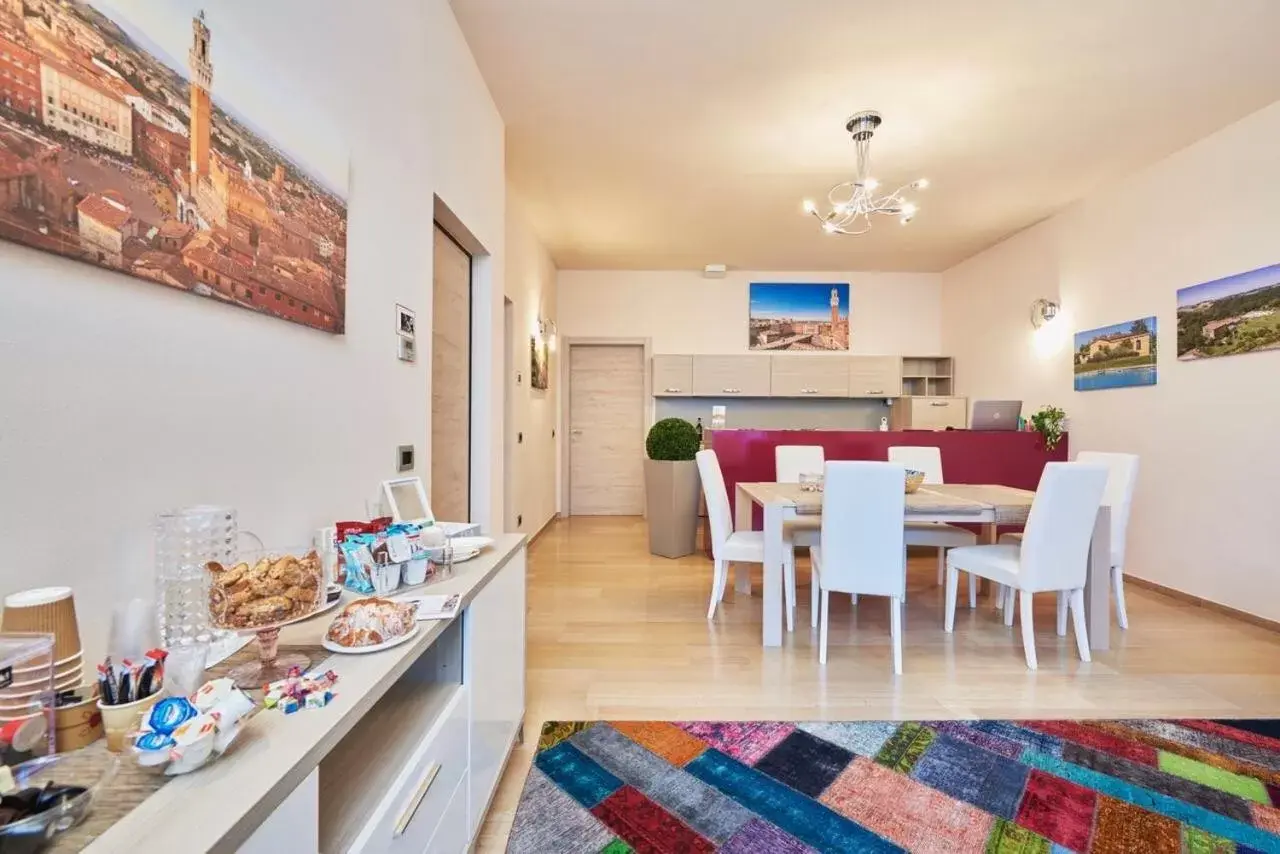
x: 810, y: 391
x: 411, y: 808
x: 939, y: 403
x: 672, y: 391
x: 875, y: 391
x: 731, y: 390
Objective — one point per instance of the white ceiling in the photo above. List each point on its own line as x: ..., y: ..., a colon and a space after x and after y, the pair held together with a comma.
x: 669, y: 134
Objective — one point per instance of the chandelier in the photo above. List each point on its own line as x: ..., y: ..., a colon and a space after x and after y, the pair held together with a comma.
x: 854, y: 203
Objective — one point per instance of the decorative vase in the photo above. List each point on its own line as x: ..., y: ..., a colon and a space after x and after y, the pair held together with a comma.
x: 671, y: 504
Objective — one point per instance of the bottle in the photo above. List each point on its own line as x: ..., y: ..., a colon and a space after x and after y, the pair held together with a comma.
x: 698, y: 427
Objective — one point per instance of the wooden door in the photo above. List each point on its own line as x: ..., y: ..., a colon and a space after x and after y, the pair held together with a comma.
x: 606, y: 430
x: 450, y: 485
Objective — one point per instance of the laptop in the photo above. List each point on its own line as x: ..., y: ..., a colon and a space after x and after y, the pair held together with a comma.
x: 995, y: 415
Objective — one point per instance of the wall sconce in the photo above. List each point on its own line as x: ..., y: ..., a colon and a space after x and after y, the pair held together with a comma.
x: 1043, y: 311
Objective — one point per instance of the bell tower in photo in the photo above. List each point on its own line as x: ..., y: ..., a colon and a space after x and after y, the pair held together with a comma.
x: 201, y: 103
x: 835, y: 309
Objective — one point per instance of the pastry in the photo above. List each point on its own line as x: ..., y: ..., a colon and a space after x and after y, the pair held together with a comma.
x: 367, y: 622
x: 274, y: 590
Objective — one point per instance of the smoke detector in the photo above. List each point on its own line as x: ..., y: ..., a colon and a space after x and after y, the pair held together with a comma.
x: 714, y: 271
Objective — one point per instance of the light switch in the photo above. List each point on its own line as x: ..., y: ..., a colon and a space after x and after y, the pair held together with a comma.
x: 404, y: 458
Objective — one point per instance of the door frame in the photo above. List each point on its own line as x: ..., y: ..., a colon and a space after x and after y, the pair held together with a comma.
x: 437, y: 225
x: 566, y: 345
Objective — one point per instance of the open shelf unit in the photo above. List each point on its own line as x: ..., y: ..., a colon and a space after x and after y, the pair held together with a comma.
x: 928, y: 376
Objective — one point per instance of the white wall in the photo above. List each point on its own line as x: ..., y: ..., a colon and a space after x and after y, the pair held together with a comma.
x: 119, y: 398
x: 891, y: 313
x: 1204, y: 517
x: 531, y: 287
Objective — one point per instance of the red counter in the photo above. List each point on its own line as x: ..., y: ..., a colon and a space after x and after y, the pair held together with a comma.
x: 1007, y: 458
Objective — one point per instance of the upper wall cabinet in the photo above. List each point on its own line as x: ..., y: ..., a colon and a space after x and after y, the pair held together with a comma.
x: 809, y: 376
x: 739, y: 376
x: 875, y: 376
x: 672, y: 376
x: 928, y: 376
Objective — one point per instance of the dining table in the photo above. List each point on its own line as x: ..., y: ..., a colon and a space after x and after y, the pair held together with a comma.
x: 791, y: 506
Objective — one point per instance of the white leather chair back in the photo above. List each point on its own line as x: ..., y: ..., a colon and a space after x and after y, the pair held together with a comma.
x: 791, y: 461
x: 921, y: 458
x: 1122, y: 476
x: 1055, y: 542
x: 863, y: 510
x: 717, y: 499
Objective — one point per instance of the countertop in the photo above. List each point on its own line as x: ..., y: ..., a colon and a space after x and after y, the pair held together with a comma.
x: 218, y: 807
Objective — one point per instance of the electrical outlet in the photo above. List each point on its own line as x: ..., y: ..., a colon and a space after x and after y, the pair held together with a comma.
x: 404, y: 458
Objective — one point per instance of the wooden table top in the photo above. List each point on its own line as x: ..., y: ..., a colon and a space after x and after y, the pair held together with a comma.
x: 1010, y: 505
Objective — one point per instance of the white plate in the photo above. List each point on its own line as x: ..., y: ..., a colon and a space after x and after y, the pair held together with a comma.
x: 361, y: 650
x: 466, y: 544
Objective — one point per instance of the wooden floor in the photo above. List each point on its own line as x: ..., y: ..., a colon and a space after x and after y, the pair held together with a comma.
x: 615, y: 633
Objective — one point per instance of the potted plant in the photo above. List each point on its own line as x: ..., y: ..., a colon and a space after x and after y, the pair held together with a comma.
x: 671, y: 487
x: 1050, y: 422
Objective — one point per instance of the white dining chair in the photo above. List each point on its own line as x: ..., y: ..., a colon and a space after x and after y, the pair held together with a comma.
x: 1122, y: 477
x: 1053, y: 556
x: 730, y: 546
x: 791, y: 461
x: 862, y: 547
x: 939, y: 535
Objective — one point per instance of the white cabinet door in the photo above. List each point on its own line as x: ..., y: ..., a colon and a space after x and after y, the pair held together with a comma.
x: 672, y: 376
x: 493, y: 667
x: 809, y: 376
x: 875, y: 376
x: 731, y: 376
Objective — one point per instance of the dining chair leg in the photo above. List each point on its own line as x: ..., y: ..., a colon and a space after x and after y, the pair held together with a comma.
x: 717, y: 586
x: 822, y: 628
x: 973, y: 591
x: 1077, y: 618
x: 895, y: 630
x: 1062, y: 613
x: 789, y: 587
x: 1010, y: 605
x: 1117, y: 584
x: 1028, y: 630
x: 997, y: 596
x: 942, y: 565
x: 949, y: 615
x: 814, y: 588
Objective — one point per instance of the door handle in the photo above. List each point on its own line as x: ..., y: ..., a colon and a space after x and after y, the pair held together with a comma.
x: 575, y: 432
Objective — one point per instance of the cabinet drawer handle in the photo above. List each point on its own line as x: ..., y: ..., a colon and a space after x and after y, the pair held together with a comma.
x: 875, y: 391
x: 673, y: 391
x: 939, y: 403
x: 411, y: 808
x: 810, y: 391
x: 731, y: 390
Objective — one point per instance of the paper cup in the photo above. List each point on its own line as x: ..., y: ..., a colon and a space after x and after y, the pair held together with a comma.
x: 120, y: 721
x: 45, y: 610
x: 78, y: 725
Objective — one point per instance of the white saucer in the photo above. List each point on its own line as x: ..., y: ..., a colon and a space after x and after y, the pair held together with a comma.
x: 378, y: 647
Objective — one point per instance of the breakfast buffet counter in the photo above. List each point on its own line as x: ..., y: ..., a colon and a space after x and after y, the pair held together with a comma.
x: 409, y: 751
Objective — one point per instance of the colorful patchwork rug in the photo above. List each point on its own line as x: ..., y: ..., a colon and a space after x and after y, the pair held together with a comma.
x: 1176, y: 786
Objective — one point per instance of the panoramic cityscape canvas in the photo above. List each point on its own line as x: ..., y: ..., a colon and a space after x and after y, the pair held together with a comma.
x: 798, y: 316
x: 1116, y: 356
x: 114, y: 153
x: 1238, y: 314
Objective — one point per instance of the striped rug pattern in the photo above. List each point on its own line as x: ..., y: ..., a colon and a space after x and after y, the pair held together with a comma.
x: 998, y: 787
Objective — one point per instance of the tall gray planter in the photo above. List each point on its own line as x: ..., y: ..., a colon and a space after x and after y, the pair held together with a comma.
x: 671, y: 502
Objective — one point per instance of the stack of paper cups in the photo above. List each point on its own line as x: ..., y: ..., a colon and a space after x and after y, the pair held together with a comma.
x: 51, y: 611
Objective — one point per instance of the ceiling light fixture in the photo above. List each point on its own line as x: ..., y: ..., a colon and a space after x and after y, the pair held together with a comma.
x: 852, y: 203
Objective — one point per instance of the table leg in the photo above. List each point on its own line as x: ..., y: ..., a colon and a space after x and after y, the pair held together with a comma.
x: 773, y: 574
x: 989, y: 536
x: 742, y: 508
x: 1097, y: 585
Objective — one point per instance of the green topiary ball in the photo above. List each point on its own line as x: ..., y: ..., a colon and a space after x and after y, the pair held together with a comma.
x: 672, y: 439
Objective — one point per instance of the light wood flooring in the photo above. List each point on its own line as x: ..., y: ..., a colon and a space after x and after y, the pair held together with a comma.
x: 615, y: 633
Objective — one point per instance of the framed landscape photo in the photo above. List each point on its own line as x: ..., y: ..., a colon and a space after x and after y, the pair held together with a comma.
x: 1116, y: 356
x: 798, y: 316
x: 1238, y: 314
x: 141, y: 137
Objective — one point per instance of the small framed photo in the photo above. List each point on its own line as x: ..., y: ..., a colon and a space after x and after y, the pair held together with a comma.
x: 406, y: 322
x: 408, y: 350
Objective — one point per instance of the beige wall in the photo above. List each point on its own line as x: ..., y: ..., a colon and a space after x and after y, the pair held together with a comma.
x: 1204, y: 516
x: 682, y: 312
x: 531, y: 287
